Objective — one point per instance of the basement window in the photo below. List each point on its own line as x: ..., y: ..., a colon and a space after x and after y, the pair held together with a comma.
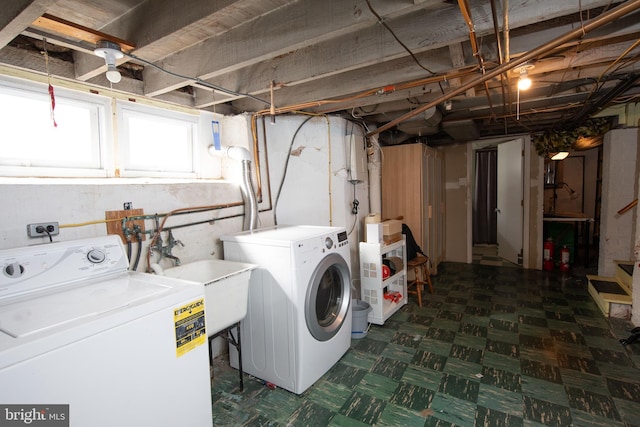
x: 78, y: 137
x: 38, y: 141
x: 156, y: 142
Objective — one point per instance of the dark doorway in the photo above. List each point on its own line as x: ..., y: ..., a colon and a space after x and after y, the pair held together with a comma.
x: 485, y: 197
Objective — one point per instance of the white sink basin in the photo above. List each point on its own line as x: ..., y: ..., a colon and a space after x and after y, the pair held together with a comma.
x: 226, y: 289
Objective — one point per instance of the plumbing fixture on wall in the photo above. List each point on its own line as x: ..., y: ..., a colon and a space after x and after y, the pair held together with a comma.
x: 165, y: 251
x: 572, y: 193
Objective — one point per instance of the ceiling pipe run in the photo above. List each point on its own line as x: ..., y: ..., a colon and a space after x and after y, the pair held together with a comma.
x: 505, y: 29
x: 507, y: 41
x: 466, y: 14
x: 595, y: 23
x: 620, y: 88
x: 506, y: 93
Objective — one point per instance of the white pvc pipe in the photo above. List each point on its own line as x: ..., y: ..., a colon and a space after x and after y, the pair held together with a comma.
x: 235, y: 153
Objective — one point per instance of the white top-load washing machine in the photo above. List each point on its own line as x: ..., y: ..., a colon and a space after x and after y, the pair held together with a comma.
x: 298, y: 322
x: 86, y: 341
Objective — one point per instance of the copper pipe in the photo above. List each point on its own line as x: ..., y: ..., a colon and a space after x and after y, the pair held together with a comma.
x: 272, y: 105
x: 507, y: 41
x: 466, y: 14
x: 628, y: 207
x: 605, y: 18
x: 496, y: 33
x: 505, y: 29
x: 370, y: 92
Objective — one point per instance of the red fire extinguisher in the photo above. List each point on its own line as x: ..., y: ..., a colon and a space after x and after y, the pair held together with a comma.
x: 547, y: 263
x: 564, y: 258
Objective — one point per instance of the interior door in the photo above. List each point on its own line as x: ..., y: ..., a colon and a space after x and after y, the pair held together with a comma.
x: 510, y: 201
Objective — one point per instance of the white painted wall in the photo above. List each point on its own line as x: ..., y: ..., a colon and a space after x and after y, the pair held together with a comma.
x: 70, y: 203
x: 318, y: 188
x: 619, y: 181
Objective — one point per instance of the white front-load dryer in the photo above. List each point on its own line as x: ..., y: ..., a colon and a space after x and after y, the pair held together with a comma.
x: 298, y: 322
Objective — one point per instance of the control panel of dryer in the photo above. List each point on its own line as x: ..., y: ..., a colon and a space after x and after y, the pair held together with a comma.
x: 336, y: 240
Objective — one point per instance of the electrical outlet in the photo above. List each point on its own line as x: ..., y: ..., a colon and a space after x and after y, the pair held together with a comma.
x: 43, y: 229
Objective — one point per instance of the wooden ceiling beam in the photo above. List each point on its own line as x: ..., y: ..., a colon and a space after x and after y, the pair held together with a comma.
x: 69, y: 29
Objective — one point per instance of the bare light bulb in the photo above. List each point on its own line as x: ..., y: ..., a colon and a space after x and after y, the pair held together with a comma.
x: 524, y: 82
x: 113, y: 75
x: 110, y: 52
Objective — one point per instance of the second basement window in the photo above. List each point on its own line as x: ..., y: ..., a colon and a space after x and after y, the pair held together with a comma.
x: 156, y: 142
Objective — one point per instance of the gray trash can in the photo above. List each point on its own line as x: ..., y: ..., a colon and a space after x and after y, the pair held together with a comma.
x: 360, y: 312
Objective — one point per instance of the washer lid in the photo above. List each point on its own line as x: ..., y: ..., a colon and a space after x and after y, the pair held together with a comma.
x: 47, y: 311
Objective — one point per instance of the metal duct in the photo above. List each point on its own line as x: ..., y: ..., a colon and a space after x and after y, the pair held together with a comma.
x: 461, y: 130
x: 246, y: 185
x: 249, y: 197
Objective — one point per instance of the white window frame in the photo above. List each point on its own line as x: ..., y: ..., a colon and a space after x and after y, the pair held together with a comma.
x: 126, y: 110
x: 99, y: 108
x: 108, y: 137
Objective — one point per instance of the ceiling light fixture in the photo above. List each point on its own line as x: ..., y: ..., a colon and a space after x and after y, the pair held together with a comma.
x: 524, y: 83
x: 561, y: 155
x: 110, y: 51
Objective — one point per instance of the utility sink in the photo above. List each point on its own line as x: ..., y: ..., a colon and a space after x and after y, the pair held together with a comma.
x: 226, y: 289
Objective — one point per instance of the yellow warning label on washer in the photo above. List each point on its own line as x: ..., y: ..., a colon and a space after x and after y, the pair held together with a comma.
x: 189, y: 322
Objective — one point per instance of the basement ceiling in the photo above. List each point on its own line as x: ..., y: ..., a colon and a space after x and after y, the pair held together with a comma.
x: 435, y: 71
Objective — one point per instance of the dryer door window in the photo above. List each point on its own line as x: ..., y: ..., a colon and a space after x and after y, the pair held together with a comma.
x: 328, y: 297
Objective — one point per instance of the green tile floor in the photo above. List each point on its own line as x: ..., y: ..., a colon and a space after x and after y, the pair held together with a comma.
x: 488, y: 255
x: 493, y: 346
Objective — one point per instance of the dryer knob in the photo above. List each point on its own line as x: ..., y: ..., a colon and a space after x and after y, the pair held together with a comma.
x: 328, y: 242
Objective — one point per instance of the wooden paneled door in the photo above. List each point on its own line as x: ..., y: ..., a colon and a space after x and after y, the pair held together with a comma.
x: 435, y: 208
x: 412, y: 189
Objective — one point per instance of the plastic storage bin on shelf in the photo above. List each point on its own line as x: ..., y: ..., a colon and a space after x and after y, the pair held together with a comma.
x: 384, y: 295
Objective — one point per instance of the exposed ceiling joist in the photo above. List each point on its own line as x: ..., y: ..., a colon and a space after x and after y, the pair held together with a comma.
x: 65, y: 28
x: 366, y: 60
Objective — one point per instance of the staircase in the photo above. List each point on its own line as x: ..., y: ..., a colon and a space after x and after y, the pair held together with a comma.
x: 613, y: 294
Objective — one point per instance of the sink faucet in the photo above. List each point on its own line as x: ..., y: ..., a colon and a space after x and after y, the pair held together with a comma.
x: 165, y: 251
